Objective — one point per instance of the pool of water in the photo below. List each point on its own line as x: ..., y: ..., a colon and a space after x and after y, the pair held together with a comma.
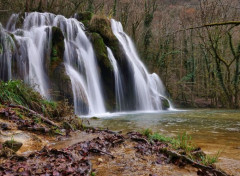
x: 213, y: 130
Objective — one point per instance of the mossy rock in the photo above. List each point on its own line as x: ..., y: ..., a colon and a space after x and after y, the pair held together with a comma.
x: 100, y: 50
x: 102, y: 25
x: 94, y: 118
x: 57, y: 51
x: 165, y: 104
x: 60, y: 81
x: 61, y: 84
x: 84, y: 17
x: 13, y: 145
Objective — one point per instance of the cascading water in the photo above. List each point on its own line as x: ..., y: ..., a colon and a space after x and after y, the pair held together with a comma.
x: 6, y: 45
x: 34, y: 42
x: 118, y: 80
x: 26, y: 54
x: 80, y: 61
x: 148, y: 89
x: 79, y: 51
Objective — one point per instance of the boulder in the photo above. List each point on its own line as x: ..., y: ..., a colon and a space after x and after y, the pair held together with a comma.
x: 102, y: 26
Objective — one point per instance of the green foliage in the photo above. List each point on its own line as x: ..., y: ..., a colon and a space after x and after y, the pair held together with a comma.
x: 16, y: 92
x: 93, y: 174
x: 188, y: 77
x: 147, y: 132
x: 182, y: 142
x: 54, y: 52
x: 148, y: 20
x: 159, y: 137
x: 209, y: 160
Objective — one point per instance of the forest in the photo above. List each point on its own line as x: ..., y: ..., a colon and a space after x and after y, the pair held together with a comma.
x: 193, y: 45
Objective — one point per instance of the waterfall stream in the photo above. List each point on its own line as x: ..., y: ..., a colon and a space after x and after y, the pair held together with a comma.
x: 148, y: 87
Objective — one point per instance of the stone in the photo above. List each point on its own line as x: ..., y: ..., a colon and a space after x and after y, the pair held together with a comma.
x: 4, y: 126
x: 100, y: 160
x: 13, y: 145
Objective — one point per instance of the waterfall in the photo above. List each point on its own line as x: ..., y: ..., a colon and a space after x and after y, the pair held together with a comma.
x: 79, y: 53
x: 26, y: 55
x: 34, y: 42
x: 79, y: 57
x: 118, y: 81
x: 148, y: 88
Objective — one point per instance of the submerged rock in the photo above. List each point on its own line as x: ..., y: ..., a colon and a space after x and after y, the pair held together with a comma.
x: 165, y: 104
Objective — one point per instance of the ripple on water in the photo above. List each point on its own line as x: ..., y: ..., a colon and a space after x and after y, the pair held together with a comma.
x: 233, y: 129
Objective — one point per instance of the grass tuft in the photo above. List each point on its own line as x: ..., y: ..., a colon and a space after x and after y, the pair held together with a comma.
x: 16, y: 92
x: 182, y: 142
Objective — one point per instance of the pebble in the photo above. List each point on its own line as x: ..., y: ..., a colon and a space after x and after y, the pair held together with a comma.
x: 100, y: 160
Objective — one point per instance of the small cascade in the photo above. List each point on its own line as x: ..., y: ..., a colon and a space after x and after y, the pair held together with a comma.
x: 118, y: 81
x: 6, y: 47
x: 148, y: 89
x: 34, y: 42
x: 11, y: 25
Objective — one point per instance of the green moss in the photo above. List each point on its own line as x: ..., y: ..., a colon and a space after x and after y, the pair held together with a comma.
x: 57, y: 48
x: 102, y: 26
x: 165, y: 104
x: 183, y: 143
x: 100, y: 50
x: 84, y: 17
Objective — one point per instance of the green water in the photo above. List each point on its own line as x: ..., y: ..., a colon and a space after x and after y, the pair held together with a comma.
x: 213, y: 130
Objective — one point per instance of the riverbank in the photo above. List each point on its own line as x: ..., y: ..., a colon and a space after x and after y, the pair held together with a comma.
x: 92, y: 151
x: 42, y: 137
x: 104, y: 152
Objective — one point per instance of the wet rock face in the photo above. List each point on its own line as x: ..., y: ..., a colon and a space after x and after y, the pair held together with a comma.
x: 59, y: 80
x: 13, y: 145
x: 57, y: 50
x: 102, y: 26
